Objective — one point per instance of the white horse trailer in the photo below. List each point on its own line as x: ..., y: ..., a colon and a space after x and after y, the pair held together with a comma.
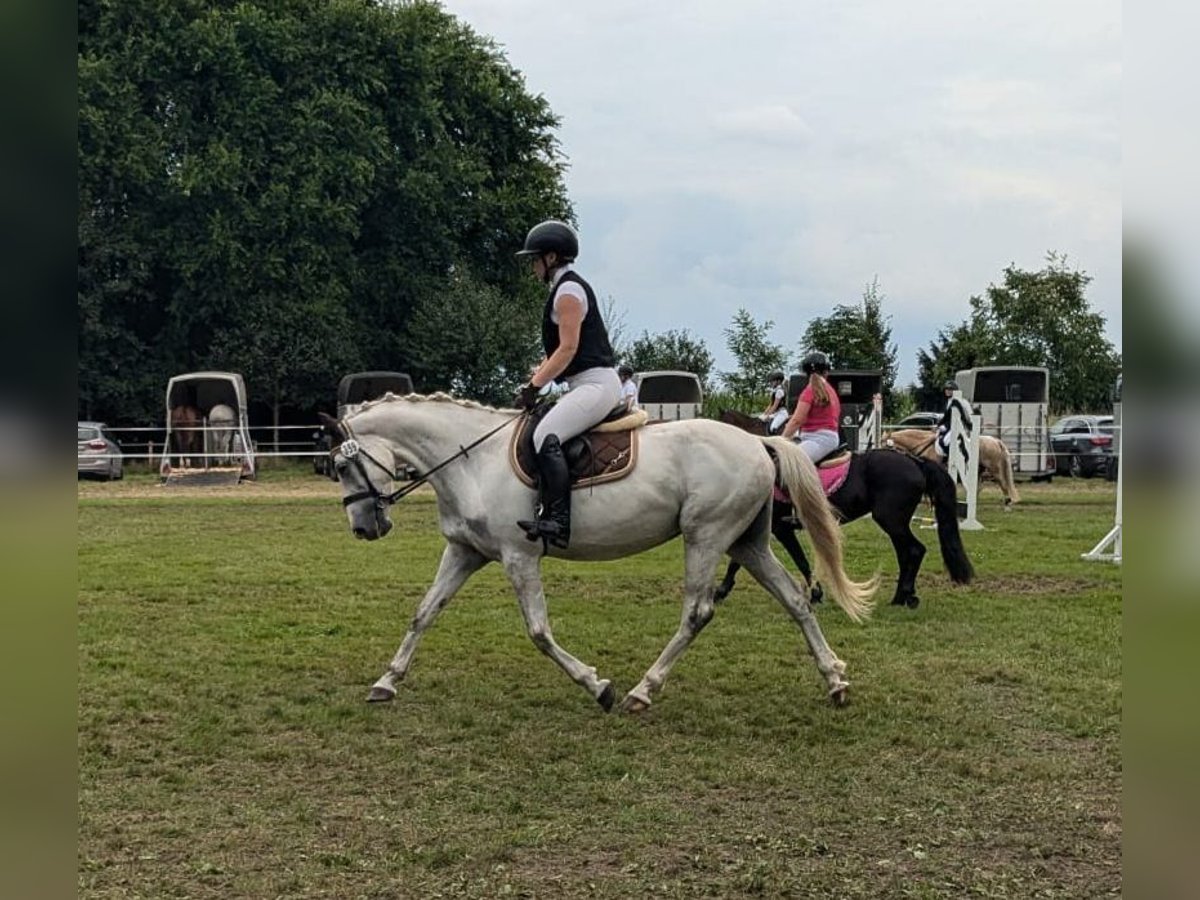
x: 1014, y: 404
x: 669, y: 395
x: 227, y: 454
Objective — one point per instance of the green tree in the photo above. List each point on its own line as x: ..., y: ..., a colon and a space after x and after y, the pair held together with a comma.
x: 757, y: 356
x: 324, y: 168
x: 677, y: 351
x: 858, y: 337
x: 1040, y: 318
x: 476, y: 341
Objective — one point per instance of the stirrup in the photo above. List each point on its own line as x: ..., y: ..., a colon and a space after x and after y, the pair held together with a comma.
x: 546, y: 530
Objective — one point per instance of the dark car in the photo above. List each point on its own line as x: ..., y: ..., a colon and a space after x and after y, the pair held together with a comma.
x: 99, y: 453
x: 927, y: 420
x: 1083, y: 446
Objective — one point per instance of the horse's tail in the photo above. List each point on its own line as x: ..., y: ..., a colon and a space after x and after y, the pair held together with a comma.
x: 940, y: 487
x: 799, y: 477
x: 1006, y: 473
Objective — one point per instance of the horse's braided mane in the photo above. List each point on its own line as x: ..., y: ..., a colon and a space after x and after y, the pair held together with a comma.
x: 438, y: 397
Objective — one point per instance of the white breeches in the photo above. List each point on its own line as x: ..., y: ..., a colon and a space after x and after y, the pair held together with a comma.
x: 591, y: 396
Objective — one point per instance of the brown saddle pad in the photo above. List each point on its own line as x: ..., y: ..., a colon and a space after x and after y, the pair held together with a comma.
x: 593, y: 457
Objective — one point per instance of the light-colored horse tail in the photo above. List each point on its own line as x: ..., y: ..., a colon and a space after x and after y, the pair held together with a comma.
x: 1004, y: 472
x: 799, y: 477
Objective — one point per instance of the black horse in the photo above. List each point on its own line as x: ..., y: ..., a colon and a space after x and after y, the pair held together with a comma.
x: 888, y: 484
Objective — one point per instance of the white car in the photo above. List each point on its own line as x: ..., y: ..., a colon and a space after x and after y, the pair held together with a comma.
x: 99, y: 452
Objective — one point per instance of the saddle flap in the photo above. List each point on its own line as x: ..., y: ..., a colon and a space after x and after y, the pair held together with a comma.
x: 835, y: 459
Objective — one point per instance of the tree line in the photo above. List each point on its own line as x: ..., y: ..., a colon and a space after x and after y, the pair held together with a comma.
x: 296, y: 190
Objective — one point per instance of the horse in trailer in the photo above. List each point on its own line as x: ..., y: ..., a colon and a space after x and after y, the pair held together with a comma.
x: 221, y: 424
x: 187, y: 433
x: 994, y: 459
x: 889, y: 485
x: 695, y: 477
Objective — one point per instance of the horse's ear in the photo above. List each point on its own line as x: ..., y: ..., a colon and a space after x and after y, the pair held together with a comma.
x: 331, y: 426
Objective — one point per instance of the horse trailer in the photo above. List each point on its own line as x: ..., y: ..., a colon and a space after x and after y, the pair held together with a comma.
x: 1014, y: 404
x: 669, y: 395
x: 353, y: 389
x: 223, y: 452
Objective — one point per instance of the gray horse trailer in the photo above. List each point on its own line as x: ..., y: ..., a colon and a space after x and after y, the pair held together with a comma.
x: 1014, y: 404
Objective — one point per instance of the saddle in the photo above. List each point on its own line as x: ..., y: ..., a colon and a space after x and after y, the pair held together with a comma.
x: 607, y: 452
x: 832, y: 469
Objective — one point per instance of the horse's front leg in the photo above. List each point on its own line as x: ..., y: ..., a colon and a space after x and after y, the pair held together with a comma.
x: 699, y: 559
x: 524, y: 571
x: 786, y: 534
x: 726, y: 585
x: 459, y: 562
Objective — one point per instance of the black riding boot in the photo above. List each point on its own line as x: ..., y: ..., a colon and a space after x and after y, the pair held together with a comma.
x: 554, y: 484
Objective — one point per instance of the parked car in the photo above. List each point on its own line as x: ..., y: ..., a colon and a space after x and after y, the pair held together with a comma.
x: 928, y: 420
x: 1083, y: 446
x: 99, y: 452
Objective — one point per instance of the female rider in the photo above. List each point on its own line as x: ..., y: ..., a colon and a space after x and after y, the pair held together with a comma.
x: 817, y: 410
x: 577, y: 351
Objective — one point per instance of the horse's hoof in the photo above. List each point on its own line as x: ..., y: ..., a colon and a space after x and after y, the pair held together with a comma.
x: 633, y: 704
x: 720, y: 594
x: 840, y: 696
x: 380, y: 695
x: 899, y: 601
x: 913, y: 602
x: 817, y: 594
x: 607, y: 696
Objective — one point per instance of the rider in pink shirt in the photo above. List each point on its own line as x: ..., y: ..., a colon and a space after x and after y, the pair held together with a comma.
x: 817, y: 410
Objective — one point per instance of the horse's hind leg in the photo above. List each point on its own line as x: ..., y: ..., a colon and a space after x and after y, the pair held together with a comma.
x: 762, y: 564
x: 458, y: 564
x: 524, y: 573
x: 909, y: 554
x: 700, y: 557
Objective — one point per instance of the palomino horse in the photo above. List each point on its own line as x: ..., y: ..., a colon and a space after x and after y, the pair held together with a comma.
x: 221, y: 421
x: 187, y: 435
x: 994, y: 458
x: 697, y: 478
x: 889, y: 485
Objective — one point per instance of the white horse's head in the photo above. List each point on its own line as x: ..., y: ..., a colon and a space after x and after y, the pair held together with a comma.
x: 365, y: 468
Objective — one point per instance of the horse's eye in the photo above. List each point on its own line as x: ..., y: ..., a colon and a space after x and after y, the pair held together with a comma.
x: 339, y: 468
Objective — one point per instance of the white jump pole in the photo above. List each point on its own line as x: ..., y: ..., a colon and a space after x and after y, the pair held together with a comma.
x: 964, y: 467
x: 1109, y: 548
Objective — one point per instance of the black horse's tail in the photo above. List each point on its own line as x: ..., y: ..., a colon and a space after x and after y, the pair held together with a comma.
x: 940, y: 487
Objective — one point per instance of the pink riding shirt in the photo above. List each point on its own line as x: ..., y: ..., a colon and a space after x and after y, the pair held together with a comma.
x: 821, y: 417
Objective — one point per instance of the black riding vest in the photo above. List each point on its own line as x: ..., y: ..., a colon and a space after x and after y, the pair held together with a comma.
x: 594, y: 349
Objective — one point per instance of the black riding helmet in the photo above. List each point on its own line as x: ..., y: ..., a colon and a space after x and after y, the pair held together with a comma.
x: 950, y: 385
x: 624, y: 371
x: 814, y: 362
x: 551, y: 236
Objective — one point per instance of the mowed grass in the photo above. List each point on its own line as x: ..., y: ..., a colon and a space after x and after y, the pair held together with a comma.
x: 226, y: 644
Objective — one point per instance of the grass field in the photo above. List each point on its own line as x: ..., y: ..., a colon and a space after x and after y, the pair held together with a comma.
x: 227, y: 640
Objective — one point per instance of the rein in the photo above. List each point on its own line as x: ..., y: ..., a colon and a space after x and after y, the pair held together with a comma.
x: 353, y: 451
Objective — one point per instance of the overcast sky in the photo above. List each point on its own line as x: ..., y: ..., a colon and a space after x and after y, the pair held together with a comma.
x: 778, y: 155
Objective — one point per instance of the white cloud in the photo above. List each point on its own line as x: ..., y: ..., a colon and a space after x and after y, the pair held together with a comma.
x: 778, y: 155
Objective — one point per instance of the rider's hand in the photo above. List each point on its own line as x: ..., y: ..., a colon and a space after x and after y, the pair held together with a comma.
x: 526, y: 396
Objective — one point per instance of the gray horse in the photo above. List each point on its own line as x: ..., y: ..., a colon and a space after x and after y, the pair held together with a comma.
x: 706, y: 481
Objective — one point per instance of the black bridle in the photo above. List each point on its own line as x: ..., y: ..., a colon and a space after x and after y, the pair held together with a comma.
x: 354, y: 452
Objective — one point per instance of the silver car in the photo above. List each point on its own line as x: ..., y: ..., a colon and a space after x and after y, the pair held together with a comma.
x: 99, y: 453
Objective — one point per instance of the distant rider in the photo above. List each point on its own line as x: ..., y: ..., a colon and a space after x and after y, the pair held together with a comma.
x: 776, y: 414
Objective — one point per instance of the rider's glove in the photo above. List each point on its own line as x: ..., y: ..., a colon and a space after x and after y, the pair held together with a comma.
x: 527, y: 396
